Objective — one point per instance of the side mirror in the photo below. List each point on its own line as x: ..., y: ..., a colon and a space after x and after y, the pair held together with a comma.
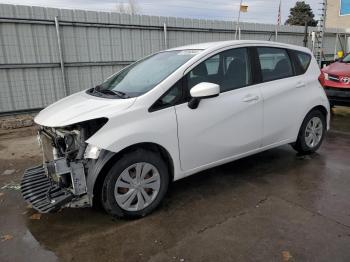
x: 202, y: 90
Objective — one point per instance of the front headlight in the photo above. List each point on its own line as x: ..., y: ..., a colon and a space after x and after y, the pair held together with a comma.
x: 92, y: 152
x: 326, y: 76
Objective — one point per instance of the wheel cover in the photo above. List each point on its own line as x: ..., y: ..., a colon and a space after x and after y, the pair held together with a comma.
x: 137, y: 186
x: 313, y: 132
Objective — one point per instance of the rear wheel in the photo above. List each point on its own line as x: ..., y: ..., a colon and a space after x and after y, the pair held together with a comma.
x: 135, y: 185
x: 311, y: 133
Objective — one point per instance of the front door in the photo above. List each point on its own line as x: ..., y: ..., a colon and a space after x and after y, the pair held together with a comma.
x: 224, y: 126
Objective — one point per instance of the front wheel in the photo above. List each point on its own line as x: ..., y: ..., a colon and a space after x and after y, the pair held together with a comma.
x: 135, y: 185
x: 311, y: 133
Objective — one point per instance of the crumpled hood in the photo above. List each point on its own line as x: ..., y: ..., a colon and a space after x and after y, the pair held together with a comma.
x: 80, y: 107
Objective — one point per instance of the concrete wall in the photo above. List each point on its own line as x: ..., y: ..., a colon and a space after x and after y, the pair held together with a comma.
x: 96, y: 44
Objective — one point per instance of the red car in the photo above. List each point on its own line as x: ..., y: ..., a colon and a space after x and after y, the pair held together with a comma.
x: 335, y: 79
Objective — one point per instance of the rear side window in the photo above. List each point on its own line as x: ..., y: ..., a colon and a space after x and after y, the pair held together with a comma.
x: 304, y: 60
x: 274, y: 63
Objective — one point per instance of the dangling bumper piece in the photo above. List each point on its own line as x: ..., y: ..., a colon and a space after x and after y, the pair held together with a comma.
x: 44, y: 194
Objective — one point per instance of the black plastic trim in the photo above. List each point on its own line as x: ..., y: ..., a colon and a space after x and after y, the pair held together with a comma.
x: 255, y: 64
x: 194, y: 101
x: 178, y: 101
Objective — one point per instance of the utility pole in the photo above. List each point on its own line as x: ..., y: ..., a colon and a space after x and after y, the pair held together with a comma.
x: 239, y: 16
x: 305, y: 33
x: 320, y: 33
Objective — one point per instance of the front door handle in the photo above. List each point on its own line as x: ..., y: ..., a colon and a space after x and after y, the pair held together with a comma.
x: 300, y: 84
x: 250, y: 98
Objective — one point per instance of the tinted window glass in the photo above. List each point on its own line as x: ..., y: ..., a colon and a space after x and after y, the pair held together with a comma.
x: 233, y: 73
x: 304, y: 60
x: 212, y: 65
x: 170, y: 98
x: 275, y: 63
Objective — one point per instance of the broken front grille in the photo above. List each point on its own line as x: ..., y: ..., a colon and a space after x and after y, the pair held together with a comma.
x: 41, y: 192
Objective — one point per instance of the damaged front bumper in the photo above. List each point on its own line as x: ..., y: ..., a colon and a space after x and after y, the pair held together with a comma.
x: 42, y: 193
x: 61, y: 180
x: 45, y: 193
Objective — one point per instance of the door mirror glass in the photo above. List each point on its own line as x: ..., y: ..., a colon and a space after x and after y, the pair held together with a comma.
x: 201, y: 91
x: 205, y: 90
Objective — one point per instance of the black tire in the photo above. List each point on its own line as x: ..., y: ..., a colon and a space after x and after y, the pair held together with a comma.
x: 140, y: 155
x: 300, y: 145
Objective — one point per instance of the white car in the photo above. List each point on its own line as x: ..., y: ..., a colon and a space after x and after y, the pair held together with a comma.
x: 173, y: 114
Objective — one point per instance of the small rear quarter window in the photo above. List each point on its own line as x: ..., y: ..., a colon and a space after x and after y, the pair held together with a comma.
x: 304, y: 61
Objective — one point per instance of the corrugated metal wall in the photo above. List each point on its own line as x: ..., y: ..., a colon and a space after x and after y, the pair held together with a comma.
x: 96, y: 44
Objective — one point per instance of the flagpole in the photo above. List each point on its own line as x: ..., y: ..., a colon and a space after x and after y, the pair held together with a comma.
x: 278, y: 21
x: 239, y: 16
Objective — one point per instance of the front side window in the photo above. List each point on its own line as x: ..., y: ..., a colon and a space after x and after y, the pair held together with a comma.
x: 232, y: 70
x: 142, y: 76
x: 274, y: 63
x: 213, y: 64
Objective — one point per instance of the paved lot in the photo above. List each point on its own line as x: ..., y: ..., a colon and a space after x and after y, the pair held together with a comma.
x: 275, y: 206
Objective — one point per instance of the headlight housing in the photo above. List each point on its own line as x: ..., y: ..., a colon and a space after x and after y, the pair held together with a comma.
x: 92, y: 152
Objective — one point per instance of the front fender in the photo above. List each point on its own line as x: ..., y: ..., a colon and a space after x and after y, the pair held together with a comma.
x: 94, y: 170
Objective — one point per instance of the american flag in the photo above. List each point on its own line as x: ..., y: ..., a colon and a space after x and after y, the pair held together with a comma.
x: 279, y: 15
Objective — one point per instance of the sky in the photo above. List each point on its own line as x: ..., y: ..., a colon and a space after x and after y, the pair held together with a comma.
x: 259, y: 11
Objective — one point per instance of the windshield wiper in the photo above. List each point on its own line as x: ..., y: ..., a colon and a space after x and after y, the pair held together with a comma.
x: 112, y: 92
x: 120, y: 93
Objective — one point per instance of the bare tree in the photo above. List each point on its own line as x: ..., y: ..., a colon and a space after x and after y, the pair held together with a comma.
x: 129, y: 7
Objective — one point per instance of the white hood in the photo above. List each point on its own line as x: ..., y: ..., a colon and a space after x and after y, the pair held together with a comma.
x: 80, y: 107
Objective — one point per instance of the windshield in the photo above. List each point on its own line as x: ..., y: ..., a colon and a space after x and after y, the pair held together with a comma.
x: 142, y: 76
x: 346, y: 59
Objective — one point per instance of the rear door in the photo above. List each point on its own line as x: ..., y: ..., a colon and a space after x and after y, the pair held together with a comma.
x: 283, y: 90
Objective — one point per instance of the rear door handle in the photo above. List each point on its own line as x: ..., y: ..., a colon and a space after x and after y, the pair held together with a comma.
x: 300, y: 84
x: 250, y: 98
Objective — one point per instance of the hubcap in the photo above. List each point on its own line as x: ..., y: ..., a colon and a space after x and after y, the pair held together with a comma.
x: 313, y: 132
x: 137, y: 186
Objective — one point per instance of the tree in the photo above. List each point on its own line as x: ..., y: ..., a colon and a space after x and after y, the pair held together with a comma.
x: 301, y: 13
x: 129, y: 7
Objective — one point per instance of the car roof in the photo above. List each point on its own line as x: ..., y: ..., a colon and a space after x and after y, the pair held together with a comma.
x: 223, y: 44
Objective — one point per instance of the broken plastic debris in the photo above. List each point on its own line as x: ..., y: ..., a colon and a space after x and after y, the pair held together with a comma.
x: 8, y: 172
x: 286, y: 256
x: 6, y: 237
x: 35, y: 216
x: 11, y: 185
